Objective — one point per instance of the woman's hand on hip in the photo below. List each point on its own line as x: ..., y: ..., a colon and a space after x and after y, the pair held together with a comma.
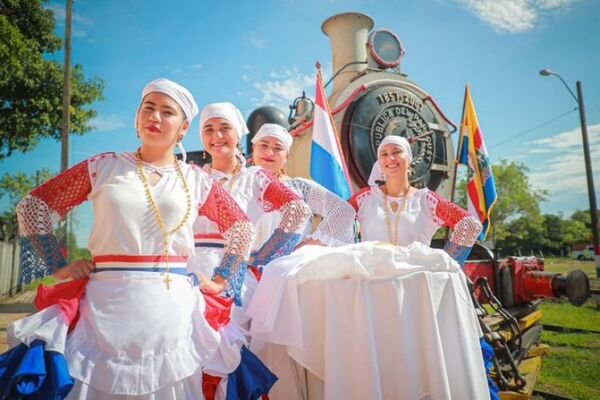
x: 76, y: 270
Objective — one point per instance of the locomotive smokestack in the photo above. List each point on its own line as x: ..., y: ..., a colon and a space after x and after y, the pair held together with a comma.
x: 349, y: 35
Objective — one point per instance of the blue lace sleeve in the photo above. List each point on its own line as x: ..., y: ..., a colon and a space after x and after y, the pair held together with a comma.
x: 281, y: 243
x: 233, y: 224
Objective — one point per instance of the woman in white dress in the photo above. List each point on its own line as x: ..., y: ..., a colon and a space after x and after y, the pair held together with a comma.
x: 257, y: 192
x: 271, y: 146
x: 393, y: 211
x: 135, y: 329
x: 254, y: 189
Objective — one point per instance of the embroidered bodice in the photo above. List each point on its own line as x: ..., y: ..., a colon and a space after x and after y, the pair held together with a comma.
x: 426, y: 212
x: 124, y: 223
x: 258, y: 192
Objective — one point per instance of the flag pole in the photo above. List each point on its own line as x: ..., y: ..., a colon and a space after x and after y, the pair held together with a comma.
x: 458, y: 151
x: 459, y: 147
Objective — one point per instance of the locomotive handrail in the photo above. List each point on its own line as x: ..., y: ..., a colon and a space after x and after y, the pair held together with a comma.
x: 441, y: 112
x: 304, y: 126
x: 339, y: 71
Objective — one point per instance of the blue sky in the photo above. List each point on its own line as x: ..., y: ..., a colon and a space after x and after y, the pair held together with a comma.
x: 263, y: 52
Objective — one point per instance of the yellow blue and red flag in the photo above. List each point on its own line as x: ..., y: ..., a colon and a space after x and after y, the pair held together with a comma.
x: 327, y: 164
x: 481, y: 188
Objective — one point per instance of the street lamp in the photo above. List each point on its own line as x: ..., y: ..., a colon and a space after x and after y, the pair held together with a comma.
x: 588, y: 163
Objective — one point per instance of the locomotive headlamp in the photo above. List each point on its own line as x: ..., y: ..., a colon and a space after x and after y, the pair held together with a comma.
x: 385, y: 47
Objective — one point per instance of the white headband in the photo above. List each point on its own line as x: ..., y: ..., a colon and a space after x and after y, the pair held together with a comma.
x: 376, y: 171
x: 275, y: 131
x: 227, y: 111
x: 181, y: 95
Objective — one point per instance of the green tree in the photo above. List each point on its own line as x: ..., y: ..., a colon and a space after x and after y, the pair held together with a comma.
x: 517, y: 207
x: 554, y: 234
x: 31, y: 83
x: 576, y: 232
x: 14, y: 188
x: 516, y: 199
x: 522, y: 236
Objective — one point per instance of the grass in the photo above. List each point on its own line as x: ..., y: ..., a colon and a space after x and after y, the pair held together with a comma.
x: 564, y: 265
x: 572, y: 368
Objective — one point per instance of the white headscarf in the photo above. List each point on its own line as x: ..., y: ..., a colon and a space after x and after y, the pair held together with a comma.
x: 181, y: 95
x: 376, y: 171
x: 276, y: 131
x: 227, y: 111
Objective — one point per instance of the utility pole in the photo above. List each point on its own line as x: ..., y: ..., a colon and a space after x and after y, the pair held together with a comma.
x: 588, y: 163
x: 64, y: 154
x: 590, y: 177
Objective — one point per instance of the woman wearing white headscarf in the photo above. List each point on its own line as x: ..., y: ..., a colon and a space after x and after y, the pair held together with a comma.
x: 387, y: 318
x: 257, y: 192
x: 135, y: 329
x: 391, y: 210
x: 271, y: 149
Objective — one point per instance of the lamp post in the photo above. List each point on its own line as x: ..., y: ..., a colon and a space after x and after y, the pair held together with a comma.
x: 588, y: 163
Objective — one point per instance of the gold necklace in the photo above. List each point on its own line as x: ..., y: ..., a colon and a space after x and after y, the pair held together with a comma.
x: 230, y: 184
x: 234, y: 175
x: 166, y: 233
x: 393, y: 238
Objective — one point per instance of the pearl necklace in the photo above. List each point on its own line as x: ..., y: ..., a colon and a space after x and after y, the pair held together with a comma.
x: 166, y: 233
x: 394, y: 238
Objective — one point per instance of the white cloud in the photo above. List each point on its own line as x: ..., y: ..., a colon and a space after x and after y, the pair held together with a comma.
x: 257, y: 42
x: 107, y: 123
x: 514, y: 16
x: 180, y: 69
x: 286, y: 85
x: 563, y: 170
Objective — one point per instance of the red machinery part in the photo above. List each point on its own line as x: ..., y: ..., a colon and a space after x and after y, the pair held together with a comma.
x: 481, y: 269
x: 518, y: 280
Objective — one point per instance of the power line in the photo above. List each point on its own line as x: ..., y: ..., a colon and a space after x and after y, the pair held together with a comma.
x: 533, y: 129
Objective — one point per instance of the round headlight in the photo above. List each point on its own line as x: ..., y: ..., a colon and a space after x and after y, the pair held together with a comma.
x: 386, y: 48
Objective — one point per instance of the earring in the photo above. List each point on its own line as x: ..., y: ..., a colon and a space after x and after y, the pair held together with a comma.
x: 204, y: 155
x: 179, y: 139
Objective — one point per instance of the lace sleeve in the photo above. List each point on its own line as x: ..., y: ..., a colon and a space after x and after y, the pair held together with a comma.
x: 235, y: 227
x: 295, y: 215
x: 37, y: 214
x: 465, y: 227
x: 337, y: 225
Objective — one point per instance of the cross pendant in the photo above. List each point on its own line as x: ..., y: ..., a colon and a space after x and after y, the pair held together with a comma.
x: 168, y: 281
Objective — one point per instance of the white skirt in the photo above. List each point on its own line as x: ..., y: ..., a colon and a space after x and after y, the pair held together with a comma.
x: 134, y: 337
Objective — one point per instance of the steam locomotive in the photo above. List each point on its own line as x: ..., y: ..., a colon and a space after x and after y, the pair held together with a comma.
x: 372, y: 98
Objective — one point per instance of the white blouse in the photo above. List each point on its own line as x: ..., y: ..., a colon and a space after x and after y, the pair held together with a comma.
x: 426, y: 212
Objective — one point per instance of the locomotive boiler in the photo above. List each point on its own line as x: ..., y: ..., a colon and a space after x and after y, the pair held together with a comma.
x: 370, y: 98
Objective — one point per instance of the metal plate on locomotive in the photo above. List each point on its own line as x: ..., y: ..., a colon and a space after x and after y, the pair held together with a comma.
x: 389, y: 110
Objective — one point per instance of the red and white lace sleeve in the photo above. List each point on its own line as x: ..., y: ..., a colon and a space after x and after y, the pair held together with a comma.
x: 465, y: 227
x: 295, y: 215
x: 236, y: 228
x: 40, y: 210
